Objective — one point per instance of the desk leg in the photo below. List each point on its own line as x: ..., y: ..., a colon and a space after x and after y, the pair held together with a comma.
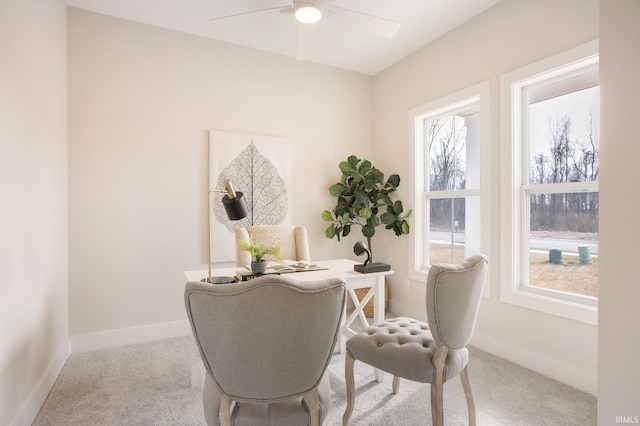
x: 342, y: 339
x: 376, y: 285
x: 378, y: 314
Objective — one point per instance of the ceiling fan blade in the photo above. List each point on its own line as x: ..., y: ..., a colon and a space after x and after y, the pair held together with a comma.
x: 374, y: 24
x: 248, y: 16
x: 306, y: 41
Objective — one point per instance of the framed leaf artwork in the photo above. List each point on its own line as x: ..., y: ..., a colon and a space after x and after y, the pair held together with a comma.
x: 259, y: 166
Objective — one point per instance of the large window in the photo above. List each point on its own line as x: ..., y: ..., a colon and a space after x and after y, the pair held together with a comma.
x: 553, y: 186
x: 448, y: 136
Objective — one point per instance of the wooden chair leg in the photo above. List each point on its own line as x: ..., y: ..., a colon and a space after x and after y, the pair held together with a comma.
x: 396, y: 384
x: 437, y: 388
x: 471, y: 407
x: 225, y: 410
x: 349, y: 361
x: 312, y: 399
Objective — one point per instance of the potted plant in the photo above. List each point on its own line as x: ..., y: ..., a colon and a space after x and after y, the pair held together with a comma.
x: 258, y: 252
x: 364, y: 200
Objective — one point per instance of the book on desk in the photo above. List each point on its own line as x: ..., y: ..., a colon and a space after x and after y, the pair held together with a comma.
x: 274, y: 268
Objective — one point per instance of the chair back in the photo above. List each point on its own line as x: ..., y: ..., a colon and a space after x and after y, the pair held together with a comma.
x: 292, y: 240
x: 454, y: 292
x: 267, y: 339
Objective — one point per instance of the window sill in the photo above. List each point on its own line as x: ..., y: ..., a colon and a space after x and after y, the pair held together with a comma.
x: 548, y: 304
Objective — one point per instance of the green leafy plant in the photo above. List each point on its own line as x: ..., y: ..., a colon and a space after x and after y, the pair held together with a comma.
x: 364, y: 200
x: 259, y: 251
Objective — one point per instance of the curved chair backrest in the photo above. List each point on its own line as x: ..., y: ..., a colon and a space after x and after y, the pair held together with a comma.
x: 267, y: 339
x: 292, y: 240
x: 453, y: 299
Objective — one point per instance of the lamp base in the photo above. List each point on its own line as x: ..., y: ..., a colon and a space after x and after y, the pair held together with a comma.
x: 372, y: 267
x: 219, y: 280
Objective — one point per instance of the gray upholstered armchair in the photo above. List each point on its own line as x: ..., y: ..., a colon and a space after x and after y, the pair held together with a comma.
x: 266, y: 344
x: 428, y: 353
x: 292, y: 240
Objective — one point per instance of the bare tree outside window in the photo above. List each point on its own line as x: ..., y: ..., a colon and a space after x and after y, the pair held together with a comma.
x: 447, y: 179
x: 566, y: 160
x: 447, y: 142
x: 562, y: 192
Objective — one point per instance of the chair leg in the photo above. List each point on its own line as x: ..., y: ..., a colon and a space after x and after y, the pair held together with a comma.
x: 437, y: 388
x: 349, y: 361
x: 471, y: 407
x: 313, y: 402
x: 225, y: 410
x: 396, y: 384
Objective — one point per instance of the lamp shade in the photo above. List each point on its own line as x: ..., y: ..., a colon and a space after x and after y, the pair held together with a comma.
x: 307, y: 12
x: 235, y: 208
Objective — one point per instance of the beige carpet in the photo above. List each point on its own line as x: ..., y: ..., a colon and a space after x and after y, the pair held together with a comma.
x: 149, y: 384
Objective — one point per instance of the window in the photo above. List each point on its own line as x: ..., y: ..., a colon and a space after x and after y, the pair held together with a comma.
x: 550, y: 138
x: 449, y: 138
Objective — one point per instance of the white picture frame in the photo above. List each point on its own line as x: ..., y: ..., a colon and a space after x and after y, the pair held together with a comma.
x: 259, y: 166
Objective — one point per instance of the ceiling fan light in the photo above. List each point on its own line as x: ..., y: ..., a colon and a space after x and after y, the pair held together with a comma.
x: 307, y: 12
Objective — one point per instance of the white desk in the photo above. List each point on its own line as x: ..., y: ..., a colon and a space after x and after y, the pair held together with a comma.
x: 341, y: 268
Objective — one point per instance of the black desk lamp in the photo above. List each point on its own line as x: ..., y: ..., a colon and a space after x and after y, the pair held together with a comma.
x: 368, y: 266
x: 236, y: 209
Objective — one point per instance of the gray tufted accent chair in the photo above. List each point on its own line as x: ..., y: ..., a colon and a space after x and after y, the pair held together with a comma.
x: 292, y: 240
x: 432, y: 352
x: 266, y: 344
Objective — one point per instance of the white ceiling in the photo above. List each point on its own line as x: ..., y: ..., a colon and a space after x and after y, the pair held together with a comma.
x: 341, y: 44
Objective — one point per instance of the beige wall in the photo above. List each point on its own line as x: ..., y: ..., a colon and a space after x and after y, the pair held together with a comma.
x: 141, y: 100
x: 508, y: 36
x: 33, y: 207
x: 619, y: 328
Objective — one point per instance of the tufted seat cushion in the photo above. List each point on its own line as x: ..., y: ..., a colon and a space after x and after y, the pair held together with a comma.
x: 404, y: 347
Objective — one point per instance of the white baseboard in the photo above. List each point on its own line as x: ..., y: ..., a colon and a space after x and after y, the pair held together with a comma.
x: 90, y: 342
x: 586, y: 381
x: 29, y: 410
x: 129, y: 336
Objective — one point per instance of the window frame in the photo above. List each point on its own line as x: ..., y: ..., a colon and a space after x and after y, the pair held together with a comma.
x: 419, y: 170
x: 515, y: 187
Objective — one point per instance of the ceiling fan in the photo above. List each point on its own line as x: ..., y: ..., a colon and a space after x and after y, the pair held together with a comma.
x: 308, y: 12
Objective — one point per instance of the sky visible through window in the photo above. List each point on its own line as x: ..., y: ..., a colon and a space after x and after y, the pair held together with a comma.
x: 575, y: 105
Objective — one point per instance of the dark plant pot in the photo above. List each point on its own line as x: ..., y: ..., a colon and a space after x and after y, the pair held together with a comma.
x: 258, y: 267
